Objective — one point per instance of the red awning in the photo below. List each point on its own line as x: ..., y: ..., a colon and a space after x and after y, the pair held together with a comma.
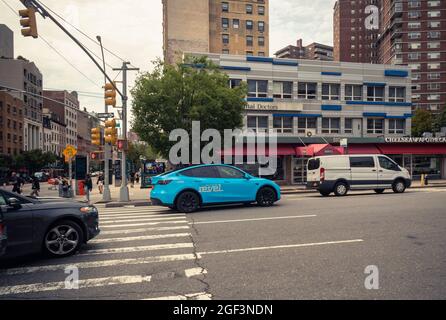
x: 282, y: 150
x: 363, y: 149
x: 421, y: 149
x: 319, y: 150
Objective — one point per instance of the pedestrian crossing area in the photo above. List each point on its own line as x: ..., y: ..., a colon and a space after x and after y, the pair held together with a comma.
x: 142, y: 253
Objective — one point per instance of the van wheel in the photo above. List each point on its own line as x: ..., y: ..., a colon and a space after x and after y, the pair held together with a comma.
x: 340, y: 189
x: 324, y: 193
x: 399, y: 186
x: 187, y: 202
x: 379, y: 191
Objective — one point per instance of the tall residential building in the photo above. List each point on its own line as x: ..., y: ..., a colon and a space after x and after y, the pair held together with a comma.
x: 6, y: 42
x: 356, y: 28
x: 227, y: 27
x: 314, y: 51
x: 66, y: 105
x: 11, y: 124
x: 414, y: 33
x: 25, y: 80
x: 54, y: 132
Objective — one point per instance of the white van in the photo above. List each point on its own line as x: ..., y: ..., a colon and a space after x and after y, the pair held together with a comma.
x: 339, y: 174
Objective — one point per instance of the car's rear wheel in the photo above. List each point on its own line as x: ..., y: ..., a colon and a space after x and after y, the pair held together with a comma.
x: 341, y: 189
x: 399, y: 186
x: 187, y: 202
x: 379, y: 191
x: 63, y: 239
x: 266, y: 197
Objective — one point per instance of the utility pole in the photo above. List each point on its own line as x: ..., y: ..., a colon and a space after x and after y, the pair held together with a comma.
x: 106, y: 196
x: 124, y: 190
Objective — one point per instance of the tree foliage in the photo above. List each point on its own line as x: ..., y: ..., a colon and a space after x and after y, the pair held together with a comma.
x: 172, y: 96
x: 138, y: 150
x: 421, y: 122
x: 439, y: 121
x: 33, y: 160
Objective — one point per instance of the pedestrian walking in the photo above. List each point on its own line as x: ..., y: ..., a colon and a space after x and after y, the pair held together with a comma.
x: 132, y: 179
x: 100, y: 183
x: 137, y: 177
x: 17, y: 183
x: 35, y: 187
x: 88, y: 187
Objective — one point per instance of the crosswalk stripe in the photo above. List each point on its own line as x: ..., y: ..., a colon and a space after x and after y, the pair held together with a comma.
x: 148, y: 209
x: 118, y: 212
x: 191, y: 296
x: 100, y: 263
x: 138, y: 220
x: 89, y: 283
x: 140, y: 216
x: 151, y: 237
x: 129, y: 231
x: 142, y: 224
x: 255, y: 219
x: 139, y: 249
x: 194, y: 272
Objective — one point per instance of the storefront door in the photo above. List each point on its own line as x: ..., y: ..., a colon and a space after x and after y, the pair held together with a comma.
x: 300, y: 170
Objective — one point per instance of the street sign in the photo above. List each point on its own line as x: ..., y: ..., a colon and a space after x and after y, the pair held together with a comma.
x: 106, y: 115
x: 69, y: 153
x: 344, y: 143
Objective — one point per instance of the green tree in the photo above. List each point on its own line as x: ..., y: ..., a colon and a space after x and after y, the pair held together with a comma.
x: 421, y: 122
x: 34, y: 160
x: 439, y: 121
x: 172, y: 96
x: 138, y: 150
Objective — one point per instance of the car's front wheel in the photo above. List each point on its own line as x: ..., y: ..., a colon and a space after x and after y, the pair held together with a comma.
x: 188, y: 202
x: 266, y: 197
x: 63, y: 239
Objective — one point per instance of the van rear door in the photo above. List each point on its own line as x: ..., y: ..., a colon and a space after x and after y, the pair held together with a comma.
x: 313, y: 170
x: 364, y: 172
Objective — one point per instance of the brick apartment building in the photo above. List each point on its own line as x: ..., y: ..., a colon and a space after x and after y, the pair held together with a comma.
x: 11, y: 124
x: 238, y: 27
x: 314, y: 51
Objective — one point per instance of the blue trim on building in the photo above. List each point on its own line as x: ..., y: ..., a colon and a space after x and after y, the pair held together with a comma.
x: 375, y: 84
x: 374, y: 114
x: 381, y: 103
x: 253, y: 99
x: 285, y: 63
x: 297, y: 115
x: 326, y: 73
x: 396, y: 73
x: 395, y: 117
x: 194, y: 65
x: 234, y: 68
x: 408, y: 115
x: 259, y: 59
x: 331, y: 107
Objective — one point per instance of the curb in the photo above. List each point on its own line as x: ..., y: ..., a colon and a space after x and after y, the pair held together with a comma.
x: 143, y: 203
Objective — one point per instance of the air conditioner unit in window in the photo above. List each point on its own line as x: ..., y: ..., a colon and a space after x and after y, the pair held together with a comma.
x: 310, y: 133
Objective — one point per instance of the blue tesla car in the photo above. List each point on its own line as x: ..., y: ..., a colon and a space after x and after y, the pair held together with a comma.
x: 188, y: 189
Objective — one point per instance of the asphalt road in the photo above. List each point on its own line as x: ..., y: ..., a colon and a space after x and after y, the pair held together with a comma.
x: 305, y: 247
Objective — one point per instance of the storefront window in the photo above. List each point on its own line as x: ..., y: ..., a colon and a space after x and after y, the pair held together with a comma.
x: 426, y: 165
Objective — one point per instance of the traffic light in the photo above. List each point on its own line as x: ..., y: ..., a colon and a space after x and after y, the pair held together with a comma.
x: 96, y: 136
x: 110, y: 95
x: 111, y: 133
x: 28, y: 22
x: 122, y: 145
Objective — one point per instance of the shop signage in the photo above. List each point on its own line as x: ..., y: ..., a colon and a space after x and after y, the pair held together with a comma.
x: 416, y: 140
x: 274, y: 106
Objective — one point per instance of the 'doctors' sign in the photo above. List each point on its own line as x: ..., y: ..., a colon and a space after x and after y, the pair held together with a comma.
x: 274, y: 106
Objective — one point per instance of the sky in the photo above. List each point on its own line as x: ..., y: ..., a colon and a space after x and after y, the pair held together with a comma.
x: 132, y: 29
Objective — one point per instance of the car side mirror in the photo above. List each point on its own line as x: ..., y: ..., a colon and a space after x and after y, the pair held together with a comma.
x: 14, y: 203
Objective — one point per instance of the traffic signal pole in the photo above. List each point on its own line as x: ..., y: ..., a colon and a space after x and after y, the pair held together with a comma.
x: 124, y: 190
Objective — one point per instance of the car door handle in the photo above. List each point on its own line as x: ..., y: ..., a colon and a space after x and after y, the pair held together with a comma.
x: 373, y: 170
x: 381, y: 171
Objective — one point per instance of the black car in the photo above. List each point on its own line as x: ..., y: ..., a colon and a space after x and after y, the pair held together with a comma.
x: 3, y: 238
x: 54, y: 226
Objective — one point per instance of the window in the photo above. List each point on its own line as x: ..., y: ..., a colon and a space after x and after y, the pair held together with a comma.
x: 433, y: 35
x: 414, y: 14
x: 249, y: 24
x: 261, y: 54
x: 261, y: 41
x: 249, y: 8
x: 415, y: 66
x: 261, y: 26
x: 431, y: 97
x: 362, y: 162
x: 414, y: 56
x: 414, y: 25
x: 375, y: 126
x: 331, y: 125
x: 225, y: 38
x: 330, y: 91
x: 433, y: 66
x: 225, y: 7
x: 433, y: 3
x: 348, y: 128
x: 433, y: 55
x: 261, y: 10
x: 396, y: 126
x: 388, y: 164
x: 258, y: 88
x: 414, y: 4
x: 414, y: 35
x: 397, y: 94
x: 283, y: 89
x: 225, y: 51
x: 433, y: 45
x: 433, y: 14
x: 236, y: 23
x: 433, y: 86
x: 249, y: 41
x: 233, y: 83
x: 433, y: 24
x: 258, y: 123
x: 307, y: 90
x: 225, y: 23
x: 202, y: 172
x: 283, y: 124
x: 249, y: 53
x: 229, y: 173
x: 375, y: 93
x: 303, y: 124
x: 353, y: 92
x: 433, y: 76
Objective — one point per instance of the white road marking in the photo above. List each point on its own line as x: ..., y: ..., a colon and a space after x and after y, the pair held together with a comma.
x: 280, y: 247
x: 100, y: 263
x: 139, y: 216
x: 89, y: 283
x: 139, y: 249
x: 195, y: 272
x: 255, y: 219
x: 132, y: 211
x: 137, y: 220
x: 141, y: 224
x: 130, y: 231
x: 191, y: 296
x: 151, y: 237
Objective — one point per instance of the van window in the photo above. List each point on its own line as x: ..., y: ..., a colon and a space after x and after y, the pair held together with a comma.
x: 362, y: 162
x: 388, y: 164
x: 314, y: 164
